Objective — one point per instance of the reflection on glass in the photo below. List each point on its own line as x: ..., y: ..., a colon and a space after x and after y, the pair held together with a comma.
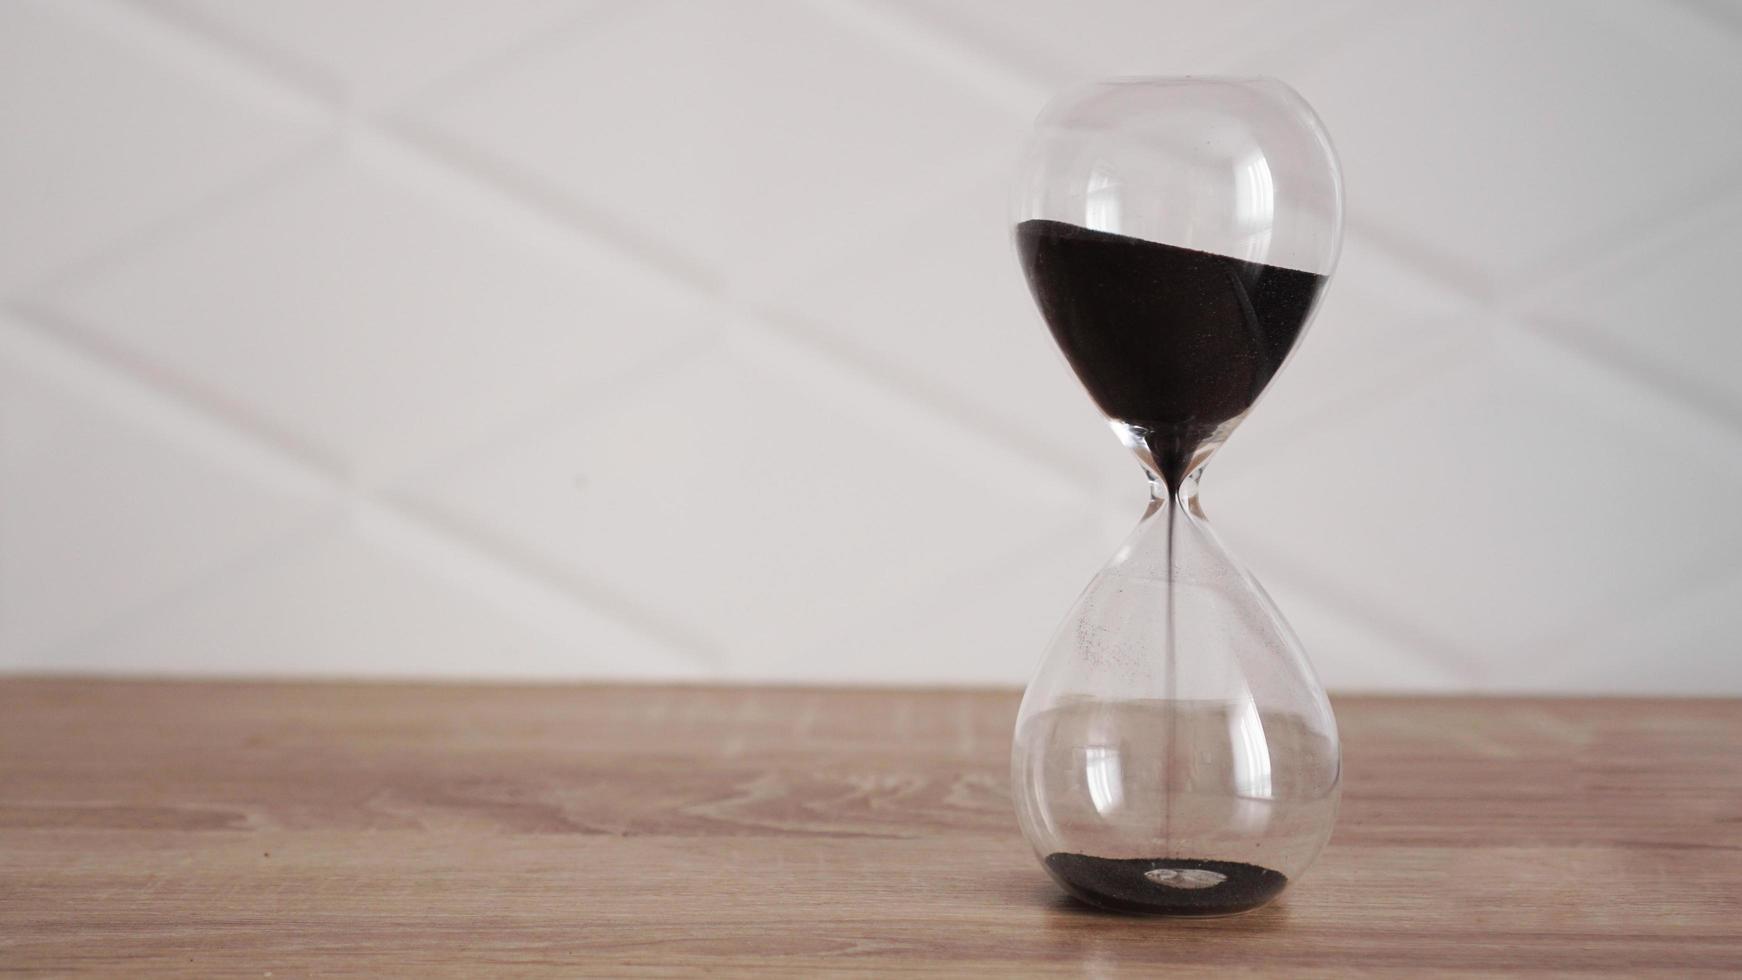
x: 1105, y: 778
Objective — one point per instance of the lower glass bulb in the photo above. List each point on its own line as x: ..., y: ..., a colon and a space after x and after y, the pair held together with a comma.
x: 1175, y: 753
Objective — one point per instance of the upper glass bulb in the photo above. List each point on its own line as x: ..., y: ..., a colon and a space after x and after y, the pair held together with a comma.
x: 1233, y: 187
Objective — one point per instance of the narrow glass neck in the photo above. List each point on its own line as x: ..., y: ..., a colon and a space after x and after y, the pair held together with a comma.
x: 1186, y: 497
x: 1175, y: 454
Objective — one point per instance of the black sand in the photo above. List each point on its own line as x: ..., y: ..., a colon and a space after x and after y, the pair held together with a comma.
x: 1171, y: 339
x: 1120, y: 884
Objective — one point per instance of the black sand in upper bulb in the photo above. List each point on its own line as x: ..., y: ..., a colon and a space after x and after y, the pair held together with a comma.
x: 1171, y: 339
x: 1131, y: 885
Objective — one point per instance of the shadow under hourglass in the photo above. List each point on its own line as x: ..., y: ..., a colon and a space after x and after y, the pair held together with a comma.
x: 1070, y: 913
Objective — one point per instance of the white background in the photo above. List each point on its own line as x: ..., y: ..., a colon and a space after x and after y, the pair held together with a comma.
x: 683, y: 340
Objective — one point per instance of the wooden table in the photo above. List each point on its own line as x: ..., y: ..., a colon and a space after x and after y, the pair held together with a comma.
x: 299, y: 829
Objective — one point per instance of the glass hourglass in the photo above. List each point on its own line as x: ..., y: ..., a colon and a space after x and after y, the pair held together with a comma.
x: 1175, y: 753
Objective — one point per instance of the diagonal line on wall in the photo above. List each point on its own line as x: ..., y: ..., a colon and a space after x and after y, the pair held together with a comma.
x: 516, y: 578
x: 488, y: 185
x: 1408, y: 636
x: 288, y: 72
x: 1689, y: 205
x: 532, y: 202
x: 539, y: 212
x: 1726, y: 14
x: 35, y: 295
x: 1524, y: 310
x: 594, y: 16
x: 1596, y: 347
x: 1011, y: 86
x: 267, y: 457
x: 560, y: 220
x: 152, y: 28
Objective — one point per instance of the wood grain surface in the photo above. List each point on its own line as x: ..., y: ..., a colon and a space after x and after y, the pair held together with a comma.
x: 358, y: 830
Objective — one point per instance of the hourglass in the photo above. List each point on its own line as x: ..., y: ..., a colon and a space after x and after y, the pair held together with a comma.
x: 1175, y: 752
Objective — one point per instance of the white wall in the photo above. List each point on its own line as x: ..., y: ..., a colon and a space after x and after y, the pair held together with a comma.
x: 599, y: 339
